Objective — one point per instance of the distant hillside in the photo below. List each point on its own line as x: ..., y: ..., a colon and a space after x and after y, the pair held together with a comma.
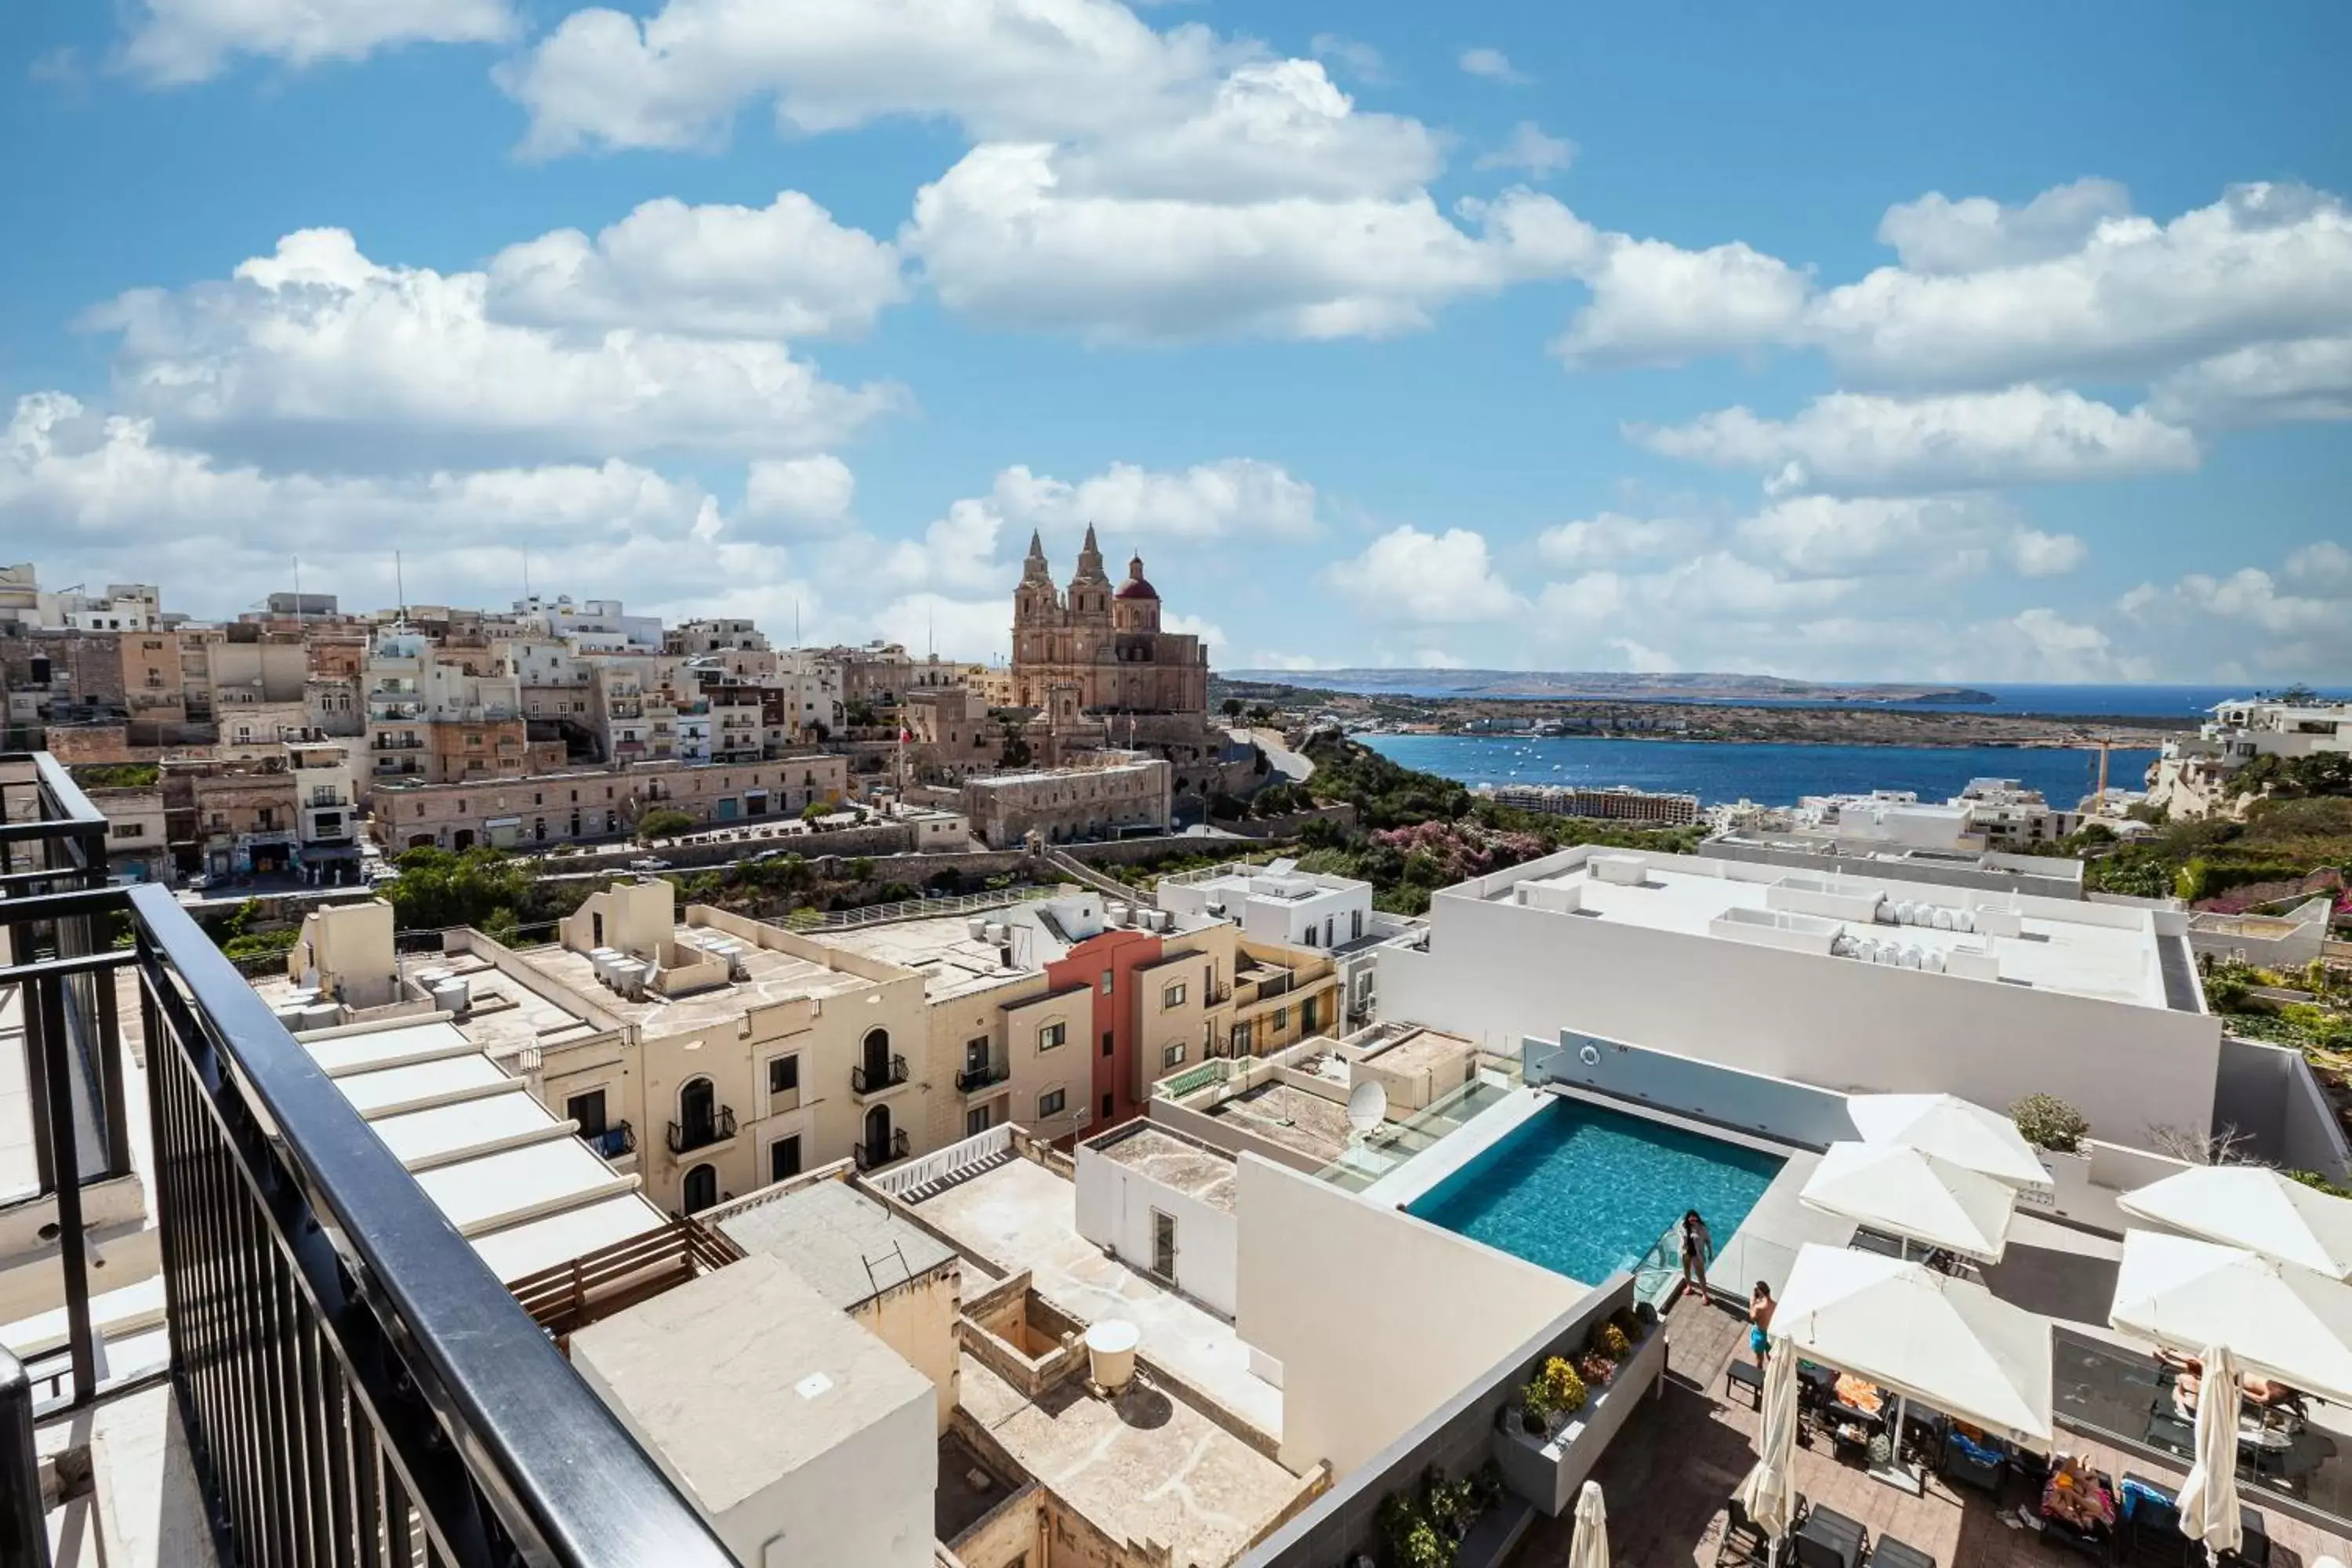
x: 1602, y: 684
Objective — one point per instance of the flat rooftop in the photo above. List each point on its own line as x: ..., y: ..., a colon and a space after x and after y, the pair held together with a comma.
x: 951, y: 961
x: 1020, y: 1215
x: 1174, y: 1163
x: 505, y: 1015
x: 2109, y: 962
x: 1420, y: 1050
x: 508, y: 1174
x: 845, y: 1244
x: 1141, y: 1467
x: 774, y: 978
x: 775, y: 1376
x: 1293, y: 1118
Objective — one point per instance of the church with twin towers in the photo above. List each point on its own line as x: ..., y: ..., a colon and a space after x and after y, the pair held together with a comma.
x: 1096, y: 649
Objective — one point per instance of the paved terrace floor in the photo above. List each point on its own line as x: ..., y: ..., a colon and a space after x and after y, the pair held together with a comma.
x: 1668, y: 1474
x: 1020, y: 1215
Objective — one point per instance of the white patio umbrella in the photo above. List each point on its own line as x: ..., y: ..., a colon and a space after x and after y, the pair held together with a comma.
x: 1951, y: 1129
x: 2254, y: 1207
x: 1589, y: 1548
x: 1768, y: 1490
x: 2284, y: 1321
x: 1890, y: 1187
x: 1946, y: 1342
x: 2209, y: 1498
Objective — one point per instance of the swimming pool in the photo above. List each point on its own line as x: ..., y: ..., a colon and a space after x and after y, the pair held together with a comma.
x: 1585, y: 1191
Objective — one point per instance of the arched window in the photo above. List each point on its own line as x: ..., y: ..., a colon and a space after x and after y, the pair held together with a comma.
x: 878, y: 1056
x: 701, y: 1188
x: 696, y: 1111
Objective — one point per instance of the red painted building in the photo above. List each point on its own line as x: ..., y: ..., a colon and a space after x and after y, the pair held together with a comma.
x: 1107, y: 964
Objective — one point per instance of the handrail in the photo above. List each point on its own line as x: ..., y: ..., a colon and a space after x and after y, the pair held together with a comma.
x: 863, y: 1081
x: 332, y: 1336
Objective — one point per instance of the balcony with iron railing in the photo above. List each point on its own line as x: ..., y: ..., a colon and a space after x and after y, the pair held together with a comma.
x: 618, y: 1141
x: 984, y: 1076
x: 701, y: 1132
x: 873, y: 1156
x: 874, y: 1077
x: 348, y: 1381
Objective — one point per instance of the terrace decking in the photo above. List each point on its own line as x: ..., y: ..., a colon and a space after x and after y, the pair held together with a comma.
x: 1670, y: 1470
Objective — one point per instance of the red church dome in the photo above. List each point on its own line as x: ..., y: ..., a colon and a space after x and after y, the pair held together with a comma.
x: 1136, y: 586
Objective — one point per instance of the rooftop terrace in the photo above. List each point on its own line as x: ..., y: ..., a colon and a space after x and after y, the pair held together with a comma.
x: 773, y: 977
x: 1171, y: 1161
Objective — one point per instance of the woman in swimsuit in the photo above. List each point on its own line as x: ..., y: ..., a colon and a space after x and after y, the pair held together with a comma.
x: 1698, y: 1251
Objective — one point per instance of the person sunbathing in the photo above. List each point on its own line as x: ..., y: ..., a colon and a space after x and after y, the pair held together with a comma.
x: 2076, y: 1495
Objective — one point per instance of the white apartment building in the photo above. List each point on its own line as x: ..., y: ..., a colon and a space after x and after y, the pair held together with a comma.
x: 2191, y: 773
x: 1894, y: 817
x: 2011, y: 817
x: 326, y: 808
x: 1278, y: 902
x: 693, y: 638
x: 1852, y: 981
x: 596, y: 625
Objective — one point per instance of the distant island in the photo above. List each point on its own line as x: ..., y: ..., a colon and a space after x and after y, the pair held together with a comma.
x: 1607, y: 686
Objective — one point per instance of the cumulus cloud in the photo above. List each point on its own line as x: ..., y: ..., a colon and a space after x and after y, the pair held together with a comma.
x: 2133, y: 298
x: 1238, y: 496
x: 1353, y: 55
x: 315, y: 348
x: 1879, y: 535
x: 784, y: 270
x: 1855, y: 442
x: 173, y: 42
x: 1531, y: 152
x: 2295, y: 622
x: 1430, y: 578
x: 1613, y: 539
x: 1492, y: 64
x: 1656, y: 304
x: 2268, y: 384
x: 999, y: 69
x: 1938, y: 235
x: 1001, y: 238
x: 800, y: 495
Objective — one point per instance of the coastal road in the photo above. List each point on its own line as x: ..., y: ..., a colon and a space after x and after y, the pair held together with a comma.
x: 1290, y: 764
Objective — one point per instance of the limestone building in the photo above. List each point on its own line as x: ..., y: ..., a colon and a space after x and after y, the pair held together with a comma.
x: 1100, y: 649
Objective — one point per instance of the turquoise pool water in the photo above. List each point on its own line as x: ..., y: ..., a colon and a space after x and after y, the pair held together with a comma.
x: 1584, y: 1191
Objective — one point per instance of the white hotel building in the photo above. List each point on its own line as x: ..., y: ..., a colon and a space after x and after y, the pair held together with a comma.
x: 1851, y: 982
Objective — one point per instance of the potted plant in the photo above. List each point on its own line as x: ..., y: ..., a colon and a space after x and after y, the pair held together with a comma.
x: 1535, y: 1406
x: 1614, y: 1340
x: 1565, y: 1386
x: 1595, y: 1369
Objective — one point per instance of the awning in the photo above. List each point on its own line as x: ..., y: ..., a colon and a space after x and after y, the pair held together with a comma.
x: 1905, y: 1192
x: 1950, y: 1129
x: 1946, y: 1342
x: 2254, y: 1207
x: 2284, y: 1321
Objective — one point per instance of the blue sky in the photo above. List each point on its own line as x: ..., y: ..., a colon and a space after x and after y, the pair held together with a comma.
x: 2012, y: 344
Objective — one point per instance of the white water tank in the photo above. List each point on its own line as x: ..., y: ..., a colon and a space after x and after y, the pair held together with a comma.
x: 1111, y: 1354
x: 455, y: 994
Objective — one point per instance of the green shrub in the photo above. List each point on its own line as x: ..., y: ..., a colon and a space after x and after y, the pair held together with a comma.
x: 663, y: 822
x: 2317, y: 1183
x: 2047, y: 1121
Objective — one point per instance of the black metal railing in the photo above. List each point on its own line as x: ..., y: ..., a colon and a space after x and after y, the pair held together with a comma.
x: 618, y: 1140
x: 982, y: 1077
x: 701, y: 1132
x: 864, y: 1079
x: 872, y: 1154
x: 355, y: 1384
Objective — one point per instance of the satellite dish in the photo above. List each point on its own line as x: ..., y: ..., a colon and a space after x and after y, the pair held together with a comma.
x: 1367, y: 1106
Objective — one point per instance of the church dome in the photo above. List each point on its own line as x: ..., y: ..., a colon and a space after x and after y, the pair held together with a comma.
x: 1136, y: 586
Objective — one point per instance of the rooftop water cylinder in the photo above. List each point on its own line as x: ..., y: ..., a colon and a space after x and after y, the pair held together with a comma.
x: 454, y: 994
x: 1110, y: 1354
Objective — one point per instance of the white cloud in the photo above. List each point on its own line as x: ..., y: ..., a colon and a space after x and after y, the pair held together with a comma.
x: 1357, y: 58
x: 1858, y: 442
x: 1943, y: 535
x: 1266, y: 659
x: 2324, y: 567
x: 958, y: 628
x: 1642, y: 658
x: 1238, y: 496
x: 1530, y: 150
x: 802, y: 495
x: 173, y: 42
x: 1938, y: 235
x: 1000, y: 69
x: 2267, y: 383
x: 1656, y: 303
x: 1439, y: 658
x: 1613, y: 539
x: 1000, y: 237
x: 1492, y: 64
x: 2039, y: 643
x: 784, y: 270
x: 2296, y: 623
x: 103, y: 494
x: 2267, y: 262
x: 317, y: 350
x: 1211, y: 636
x: 1429, y: 578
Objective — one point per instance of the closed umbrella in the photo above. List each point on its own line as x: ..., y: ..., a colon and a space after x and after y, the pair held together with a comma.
x: 1769, y: 1491
x: 2284, y: 1321
x: 2254, y: 1207
x: 1945, y: 1342
x: 1590, y: 1548
x: 1952, y: 1129
x: 1919, y: 1197
x: 2209, y: 1498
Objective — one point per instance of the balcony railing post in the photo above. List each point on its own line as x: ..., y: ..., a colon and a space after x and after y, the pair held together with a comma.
x: 45, y: 1018
x: 24, y: 1532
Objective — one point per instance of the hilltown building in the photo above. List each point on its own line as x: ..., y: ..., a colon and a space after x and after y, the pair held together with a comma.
x: 558, y: 806
x: 2190, y: 776
x: 1114, y: 794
